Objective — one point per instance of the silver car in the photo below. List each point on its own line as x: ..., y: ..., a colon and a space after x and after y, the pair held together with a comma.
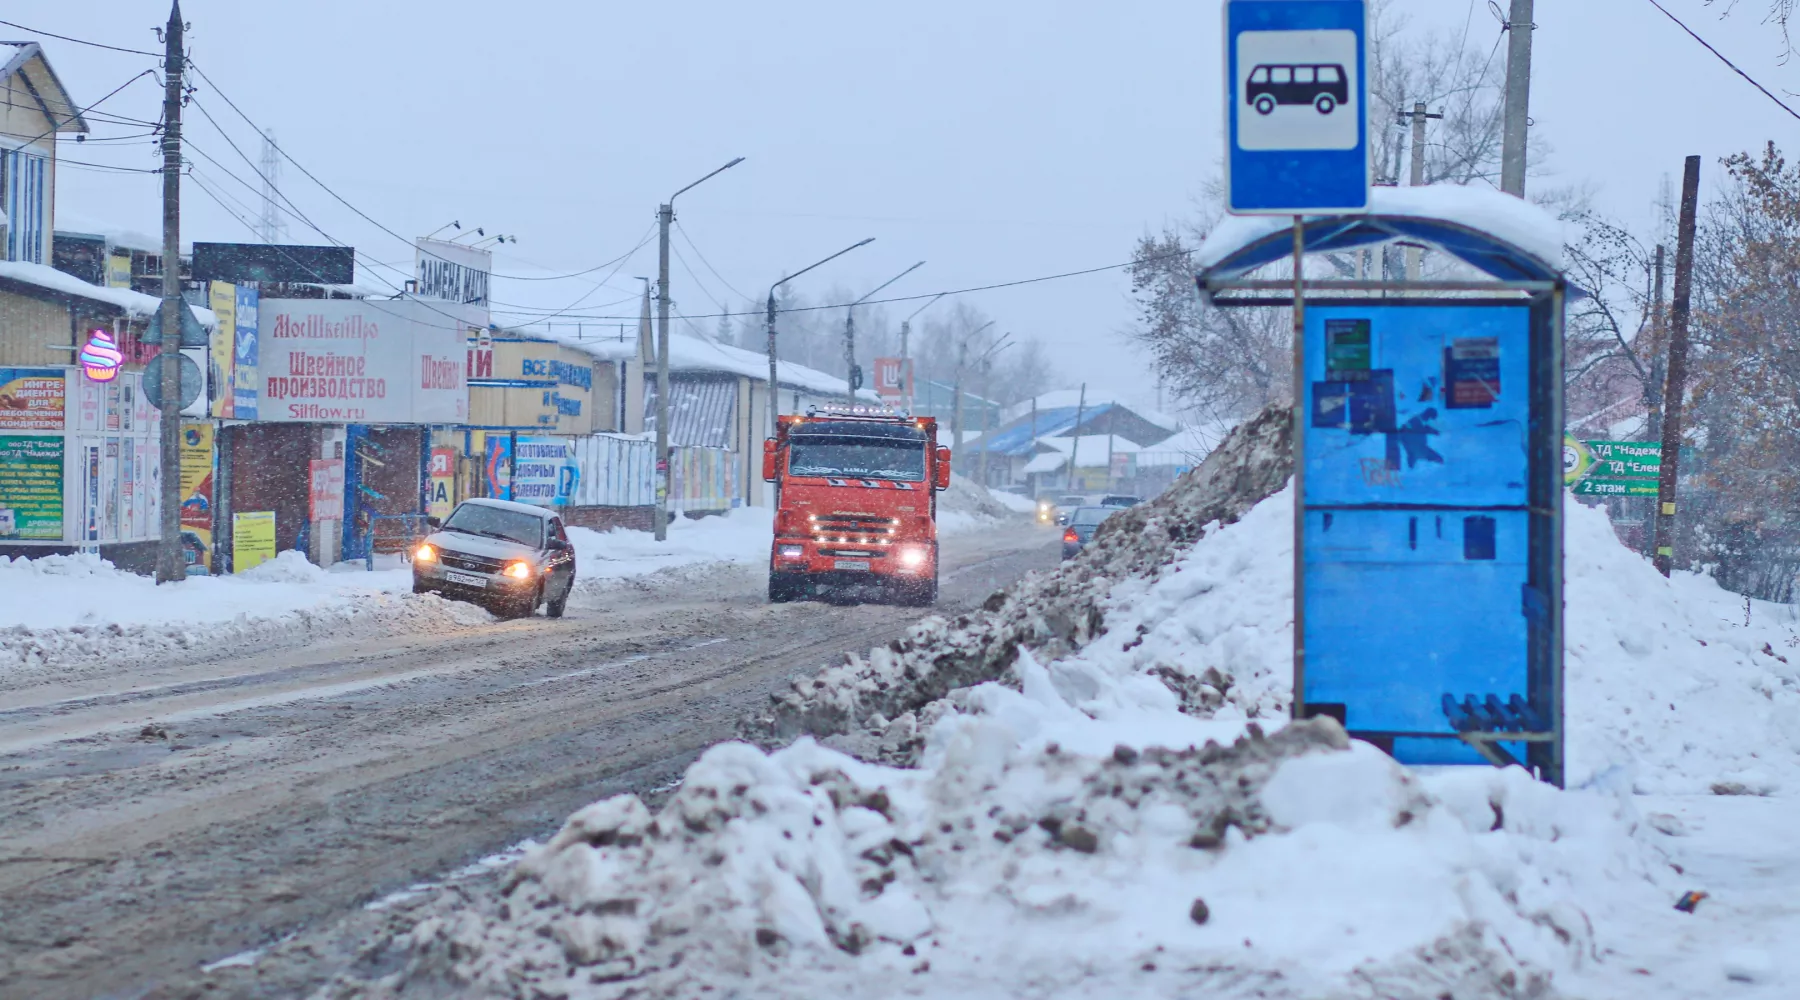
x: 508, y: 557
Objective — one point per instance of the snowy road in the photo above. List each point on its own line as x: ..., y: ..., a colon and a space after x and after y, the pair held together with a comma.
x: 160, y: 819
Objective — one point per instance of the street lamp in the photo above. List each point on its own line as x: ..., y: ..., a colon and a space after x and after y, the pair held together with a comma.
x: 665, y: 215
x: 986, y: 364
x: 850, y: 371
x: 962, y: 355
x: 773, y: 389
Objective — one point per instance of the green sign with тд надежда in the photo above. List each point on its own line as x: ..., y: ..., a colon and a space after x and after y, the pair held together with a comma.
x: 1619, y: 469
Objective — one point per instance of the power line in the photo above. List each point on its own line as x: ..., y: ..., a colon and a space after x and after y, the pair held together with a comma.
x: 1724, y: 60
x: 617, y: 263
x: 691, y: 273
x: 364, y: 215
x: 77, y: 116
x: 82, y: 41
x: 715, y: 272
x: 924, y: 295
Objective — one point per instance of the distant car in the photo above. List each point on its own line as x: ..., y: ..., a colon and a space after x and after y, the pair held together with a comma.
x: 1120, y: 500
x: 1065, y: 504
x: 1083, y: 522
x: 508, y: 557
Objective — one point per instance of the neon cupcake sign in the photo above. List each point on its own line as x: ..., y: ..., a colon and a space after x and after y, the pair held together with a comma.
x: 101, y: 358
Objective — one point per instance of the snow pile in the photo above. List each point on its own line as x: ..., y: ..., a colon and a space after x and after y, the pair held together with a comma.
x: 78, y: 614
x: 1289, y: 865
x: 1093, y: 807
x: 1055, y: 613
x: 968, y: 506
x: 1676, y: 685
x: 739, y: 536
x: 1014, y: 502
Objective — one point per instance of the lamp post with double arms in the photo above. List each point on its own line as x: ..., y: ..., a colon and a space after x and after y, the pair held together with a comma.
x: 774, y: 388
x: 665, y: 215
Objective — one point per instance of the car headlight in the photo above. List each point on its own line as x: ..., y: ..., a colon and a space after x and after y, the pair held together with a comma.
x: 424, y: 553
x: 911, y: 557
x: 519, y: 570
x: 792, y: 552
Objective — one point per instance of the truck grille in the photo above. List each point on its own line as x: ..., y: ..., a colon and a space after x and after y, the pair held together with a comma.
x: 852, y: 553
x: 460, y: 560
x: 853, y: 528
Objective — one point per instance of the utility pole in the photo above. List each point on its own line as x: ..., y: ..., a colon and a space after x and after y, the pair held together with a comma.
x: 1518, y: 99
x: 1658, y: 334
x: 1672, y: 396
x: 1075, y: 452
x: 905, y: 331
x: 170, y: 564
x: 665, y: 216
x: 956, y: 392
x: 853, y: 374
x: 1418, y: 114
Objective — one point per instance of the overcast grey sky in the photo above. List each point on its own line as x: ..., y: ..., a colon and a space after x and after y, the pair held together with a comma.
x: 996, y: 140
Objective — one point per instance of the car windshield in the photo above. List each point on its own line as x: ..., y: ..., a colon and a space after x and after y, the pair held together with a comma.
x: 497, y: 522
x: 1087, y: 517
x: 857, y: 458
x: 1072, y: 501
x: 1118, y: 501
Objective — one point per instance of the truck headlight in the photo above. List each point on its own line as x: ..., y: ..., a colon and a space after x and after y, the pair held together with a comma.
x: 519, y: 570
x: 792, y: 552
x: 912, y: 557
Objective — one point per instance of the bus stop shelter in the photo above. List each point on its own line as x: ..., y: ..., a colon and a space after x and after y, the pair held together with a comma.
x: 1428, y: 473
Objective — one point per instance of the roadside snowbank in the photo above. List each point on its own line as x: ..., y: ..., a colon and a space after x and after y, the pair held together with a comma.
x: 1291, y: 865
x: 739, y: 536
x: 1092, y: 806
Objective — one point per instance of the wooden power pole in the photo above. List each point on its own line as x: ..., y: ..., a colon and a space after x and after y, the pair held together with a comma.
x: 171, y: 566
x: 1677, y: 386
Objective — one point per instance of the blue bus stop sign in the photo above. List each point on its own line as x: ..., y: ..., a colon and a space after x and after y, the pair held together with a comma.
x: 1296, y: 107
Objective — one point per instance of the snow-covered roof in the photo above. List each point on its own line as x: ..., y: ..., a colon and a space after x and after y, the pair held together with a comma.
x: 47, y: 89
x: 119, y: 236
x: 1525, y: 226
x: 136, y: 305
x: 1189, y: 446
x: 1049, y: 461
x: 1059, y: 399
x: 1090, y: 450
x: 691, y: 354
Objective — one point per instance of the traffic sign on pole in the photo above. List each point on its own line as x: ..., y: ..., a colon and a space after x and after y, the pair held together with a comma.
x: 1296, y: 107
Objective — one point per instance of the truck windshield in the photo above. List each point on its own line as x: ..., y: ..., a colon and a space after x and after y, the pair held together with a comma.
x: 857, y: 458
x: 497, y: 522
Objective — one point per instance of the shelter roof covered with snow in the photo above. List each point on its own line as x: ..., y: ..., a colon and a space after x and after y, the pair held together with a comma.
x: 1505, y: 237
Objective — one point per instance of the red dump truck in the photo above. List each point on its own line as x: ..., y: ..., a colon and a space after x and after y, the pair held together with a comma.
x: 855, y: 504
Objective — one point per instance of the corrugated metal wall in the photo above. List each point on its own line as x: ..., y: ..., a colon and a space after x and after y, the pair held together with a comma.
x: 702, y: 411
x: 615, y: 471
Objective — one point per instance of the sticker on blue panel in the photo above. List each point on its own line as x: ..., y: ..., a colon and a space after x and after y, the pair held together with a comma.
x: 1472, y: 373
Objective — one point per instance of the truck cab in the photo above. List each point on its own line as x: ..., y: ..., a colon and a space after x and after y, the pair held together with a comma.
x: 855, y: 505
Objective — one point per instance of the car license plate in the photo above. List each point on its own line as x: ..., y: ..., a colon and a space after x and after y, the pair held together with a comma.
x: 466, y: 579
x: 858, y: 565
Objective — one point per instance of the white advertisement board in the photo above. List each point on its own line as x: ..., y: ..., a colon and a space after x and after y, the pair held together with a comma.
x: 360, y: 361
x: 453, y: 272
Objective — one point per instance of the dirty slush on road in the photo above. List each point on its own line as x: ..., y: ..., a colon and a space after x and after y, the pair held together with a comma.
x: 153, y: 825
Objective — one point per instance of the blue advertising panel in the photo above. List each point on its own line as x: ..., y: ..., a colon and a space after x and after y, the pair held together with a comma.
x: 1418, y: 537
x: 1296, y: 106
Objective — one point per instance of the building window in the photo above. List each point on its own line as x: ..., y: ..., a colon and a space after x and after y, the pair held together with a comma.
x: 24, y: 194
